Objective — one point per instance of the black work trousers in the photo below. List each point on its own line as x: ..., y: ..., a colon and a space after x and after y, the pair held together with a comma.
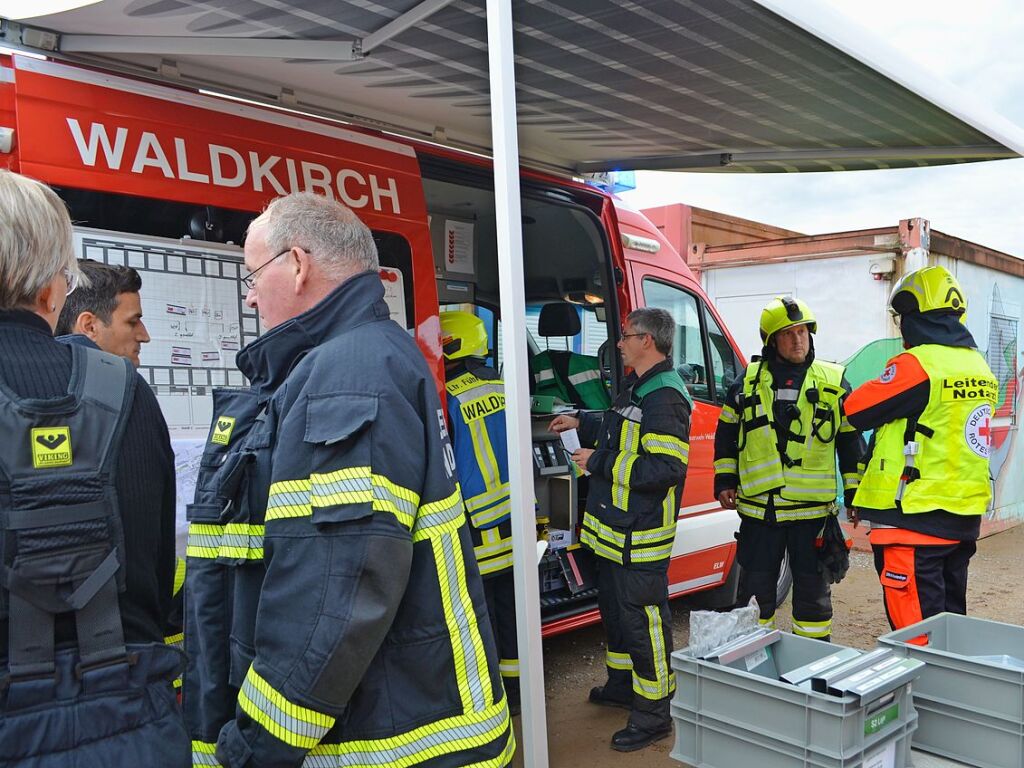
x: 919, y: 581
x: 500, y: 594
x: 760, y: 550
x: 638, y: 623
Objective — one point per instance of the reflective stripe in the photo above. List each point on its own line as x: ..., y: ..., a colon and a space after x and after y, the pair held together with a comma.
x: 727, y: 465
x: 436, y: 740
x: 668, y: 445
x: 284, y: 720
x: 851, y: 480
x: 175, y: 640
x: 584, y: 376
x: 508, y: 667
x: 768, y: 623
x: 812, y: 628
x: 489, y: 508
x: 664, y: 683
x: 439, y: 518
x: 495, y: 553
x: 728, y: 415
x: 353, y: 485
x: 615, y: 660
x: 179, y: 575
x: 631, y: 413
x: 471, y: 672
x: 204, y: 754
x: 483, y: 452
x: 546, y: 375
x: 652, y: 544
x: 234, y: 541
x: 588, y: 537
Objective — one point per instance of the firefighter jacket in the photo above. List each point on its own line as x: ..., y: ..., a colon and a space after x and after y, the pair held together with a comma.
x: 934, y: 456
x: 476, y: 413
x: 778, y: 436
x: 352, y: 563
x: 638, y: 469
x: 570, y: 377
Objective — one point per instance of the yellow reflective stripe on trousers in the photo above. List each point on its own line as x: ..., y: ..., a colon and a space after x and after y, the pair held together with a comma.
x: 284, y: 720
x: 450, y: 736
x: 768, y: 623
x: 605, y: 541
x: 616, y: 660
x: 667, y: 445
x: 664, y: 684
x: 234, y: 541
x: 204, y: 754
x: 471, y: 672
x: 508, y: 667
x: 812, y: 628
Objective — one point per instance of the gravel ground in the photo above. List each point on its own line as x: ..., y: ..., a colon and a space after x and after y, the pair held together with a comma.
x: 578, y: 732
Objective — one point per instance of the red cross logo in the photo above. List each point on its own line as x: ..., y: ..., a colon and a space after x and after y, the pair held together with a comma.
x: 986, y: 431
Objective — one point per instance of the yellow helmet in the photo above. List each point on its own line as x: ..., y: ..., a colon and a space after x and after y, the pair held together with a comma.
x: 926, y: 290
x: 783, y: 312
x: 462, y: 335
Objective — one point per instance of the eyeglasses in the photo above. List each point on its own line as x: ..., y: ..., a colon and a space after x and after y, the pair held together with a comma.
x: 627, y: 335
x: 71, y: 278
x: 250, y: 280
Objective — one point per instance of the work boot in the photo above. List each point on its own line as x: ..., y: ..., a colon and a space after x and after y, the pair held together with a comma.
x: 598, y: 696
x: 633, y: 737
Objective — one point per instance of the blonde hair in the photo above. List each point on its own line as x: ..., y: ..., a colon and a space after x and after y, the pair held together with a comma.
x: 35, y: 239
x: 332, y: 234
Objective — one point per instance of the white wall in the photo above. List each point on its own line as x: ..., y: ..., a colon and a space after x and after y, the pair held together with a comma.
x: 849, y: 303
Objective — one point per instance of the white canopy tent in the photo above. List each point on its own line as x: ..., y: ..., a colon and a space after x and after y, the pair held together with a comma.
x: 592, y: 85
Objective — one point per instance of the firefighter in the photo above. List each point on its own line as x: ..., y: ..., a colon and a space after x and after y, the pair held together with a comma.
x: 86, y: 521
x: 637, y: 466
x: 780, y: 430
x: 927, y: 482
x: 476, y: 413
x: 335, y: 614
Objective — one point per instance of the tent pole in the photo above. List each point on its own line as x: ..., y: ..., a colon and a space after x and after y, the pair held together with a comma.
x: 513, y: 312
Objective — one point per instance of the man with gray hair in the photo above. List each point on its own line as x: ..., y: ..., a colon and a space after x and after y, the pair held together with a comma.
x: 335, y: 609
x: 637, y: 467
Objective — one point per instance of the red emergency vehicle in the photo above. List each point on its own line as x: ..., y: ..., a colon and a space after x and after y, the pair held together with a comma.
x: 166, y: 179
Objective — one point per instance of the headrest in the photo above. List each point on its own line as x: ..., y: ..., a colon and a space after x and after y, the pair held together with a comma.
x: 558, y: 319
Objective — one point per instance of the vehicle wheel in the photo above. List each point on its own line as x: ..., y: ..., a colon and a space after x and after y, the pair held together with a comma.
x: 785, y: 581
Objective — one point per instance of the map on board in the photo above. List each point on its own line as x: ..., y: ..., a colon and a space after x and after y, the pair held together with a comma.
x: 193, y: 305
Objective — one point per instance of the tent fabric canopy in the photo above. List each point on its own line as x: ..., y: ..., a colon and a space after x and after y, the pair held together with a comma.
x: 601, y: 84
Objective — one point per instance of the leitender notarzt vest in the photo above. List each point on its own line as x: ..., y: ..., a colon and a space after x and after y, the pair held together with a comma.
x: 806, y: 470
x: 951, y: 437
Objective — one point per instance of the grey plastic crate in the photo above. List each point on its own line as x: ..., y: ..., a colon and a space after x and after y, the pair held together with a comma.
x: 727, y: 717
x: 971, y: 707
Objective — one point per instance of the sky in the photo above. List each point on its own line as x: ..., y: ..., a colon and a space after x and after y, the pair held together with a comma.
x: 976, y: 46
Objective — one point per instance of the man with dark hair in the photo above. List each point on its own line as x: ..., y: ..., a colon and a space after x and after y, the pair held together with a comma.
x: 108, y: 312
x: 637, y: 466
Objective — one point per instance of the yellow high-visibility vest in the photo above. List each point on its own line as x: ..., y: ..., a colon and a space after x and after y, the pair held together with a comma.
x: 952, y: 436
x: 808, y: 472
